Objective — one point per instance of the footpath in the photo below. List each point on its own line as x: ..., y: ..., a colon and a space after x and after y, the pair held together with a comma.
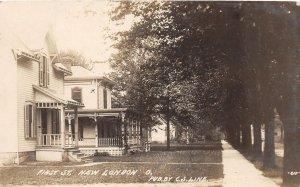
x: 238, y: 171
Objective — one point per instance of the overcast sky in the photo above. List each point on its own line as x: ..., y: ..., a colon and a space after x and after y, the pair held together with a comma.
x: 77, y: 25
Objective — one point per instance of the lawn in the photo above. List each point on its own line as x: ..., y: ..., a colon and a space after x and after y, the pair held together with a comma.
x: 275, y: 174
x: 177, y: 165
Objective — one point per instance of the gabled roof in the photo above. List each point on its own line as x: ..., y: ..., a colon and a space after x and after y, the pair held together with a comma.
x: 80, y: 73
x: 22, y: 55
x: 58, y: 97
x: 60, y: 67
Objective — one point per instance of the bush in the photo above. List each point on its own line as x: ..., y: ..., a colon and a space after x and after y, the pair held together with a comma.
x: 101, y: 153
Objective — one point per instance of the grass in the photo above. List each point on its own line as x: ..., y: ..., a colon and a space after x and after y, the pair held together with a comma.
x: 275, y: 173
x: 177, y: 163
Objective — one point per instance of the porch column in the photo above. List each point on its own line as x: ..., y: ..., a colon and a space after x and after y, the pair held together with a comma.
x: 122, y: 132
x: 96, y: 132
x: 123, y: 129
x: 70, y: 139
x: 62, y: 126
x: 69, y: 118
x: 76, y: 125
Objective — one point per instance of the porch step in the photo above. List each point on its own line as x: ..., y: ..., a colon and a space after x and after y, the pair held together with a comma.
x: 74, y: 154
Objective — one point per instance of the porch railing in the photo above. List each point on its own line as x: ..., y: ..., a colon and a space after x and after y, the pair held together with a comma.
x: 109, y: 142
x: 86, y: 142
x: 70, y: 140
x: 50, y: 140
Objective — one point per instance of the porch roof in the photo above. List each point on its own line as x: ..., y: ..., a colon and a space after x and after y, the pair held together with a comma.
x: 58, y: 97
x: 100, y: 111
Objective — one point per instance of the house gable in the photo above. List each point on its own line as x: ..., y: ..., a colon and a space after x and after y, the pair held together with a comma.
x: 41, y: 97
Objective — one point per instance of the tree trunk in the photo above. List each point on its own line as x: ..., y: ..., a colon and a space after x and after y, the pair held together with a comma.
x: 246, y: 137
x: 291, y: 160
x: 269, y: 152
x: 257, y: 145
x: 237, y: 136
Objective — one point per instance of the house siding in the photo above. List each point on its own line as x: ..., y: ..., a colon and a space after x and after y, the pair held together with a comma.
x: 56, y: 80
x: 28, y: 75
x: 108, y: 98
x: 89, y: 97
x: 8, y: 96
x: 100, y: 95
x: 101, y: 101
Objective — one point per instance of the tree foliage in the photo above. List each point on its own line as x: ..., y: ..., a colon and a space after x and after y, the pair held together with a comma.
x: 229, y: 64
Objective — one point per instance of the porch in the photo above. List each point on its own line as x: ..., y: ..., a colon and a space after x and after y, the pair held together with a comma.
x: 55, y: 140
x: 106, y: 131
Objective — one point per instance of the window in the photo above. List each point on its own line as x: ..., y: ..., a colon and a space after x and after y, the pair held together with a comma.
x: 104, y: 98
x: 55, y: 122
x: 44, y: 72
x: 30, y: 129
x: 76, y: 94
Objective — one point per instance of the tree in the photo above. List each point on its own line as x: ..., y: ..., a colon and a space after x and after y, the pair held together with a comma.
x: 225, y: 63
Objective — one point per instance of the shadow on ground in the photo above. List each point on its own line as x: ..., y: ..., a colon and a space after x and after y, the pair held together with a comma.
x: 180, y: 164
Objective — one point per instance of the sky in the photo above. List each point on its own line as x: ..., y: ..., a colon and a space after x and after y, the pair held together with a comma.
x: 77, y: 25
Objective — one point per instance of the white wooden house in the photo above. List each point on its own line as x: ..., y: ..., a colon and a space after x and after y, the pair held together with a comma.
x: 42, y: 122
x: 114, y: 131
x: 34, y: 105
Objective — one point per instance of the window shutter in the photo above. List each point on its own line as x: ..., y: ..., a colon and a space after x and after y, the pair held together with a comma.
x: 34, y: 118
x: 41, y: 77
x: 47, y: 71
x: 26, y: 117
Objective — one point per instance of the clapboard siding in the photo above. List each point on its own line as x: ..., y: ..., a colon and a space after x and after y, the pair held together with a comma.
x: 89, y: 92
x: 101, y: 100
x: 91, y: 96
x: 56, y: 81
x: 28, y: 75
x: 108, y: 98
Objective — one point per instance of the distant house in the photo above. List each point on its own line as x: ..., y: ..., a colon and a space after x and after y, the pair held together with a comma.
x: 101, y: 128
x: 159, y: 132
x: 33, y: 102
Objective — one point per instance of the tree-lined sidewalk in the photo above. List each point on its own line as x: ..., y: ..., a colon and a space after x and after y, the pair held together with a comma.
x: 227, y: 64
